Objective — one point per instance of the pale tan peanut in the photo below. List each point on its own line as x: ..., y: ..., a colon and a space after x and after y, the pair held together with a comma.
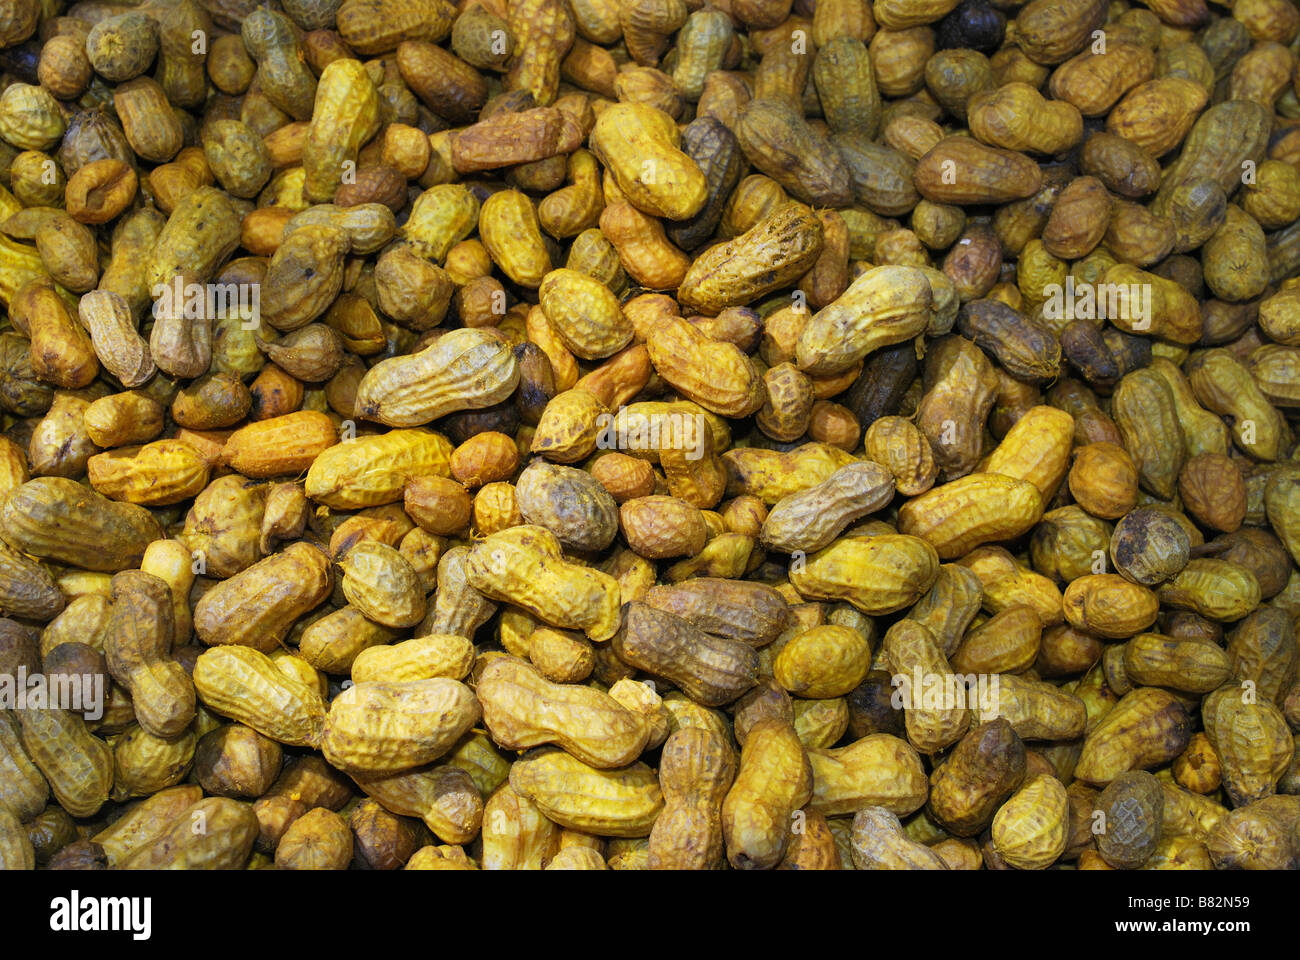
x: 878, y: 770
x: 622, y: 802
x: 247, y: 686
x: 879, y: 843
x: 522, y: 709
x: 775, y: 779
x: 463, y: 370
x: 812, y: 518
x: 524, y: 565
x: 172, y: 562
x: 120, y: 348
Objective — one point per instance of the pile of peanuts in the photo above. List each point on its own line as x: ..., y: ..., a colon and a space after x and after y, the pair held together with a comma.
x: 649, y: 434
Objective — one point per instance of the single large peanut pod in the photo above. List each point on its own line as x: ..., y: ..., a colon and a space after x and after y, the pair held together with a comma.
x: 696, y: 770
x: 77, y: 764
x: 257, y: 606
x: 216, y: 833
x: 774, y: 781
x: 522, y: 709
x: 381, y: 727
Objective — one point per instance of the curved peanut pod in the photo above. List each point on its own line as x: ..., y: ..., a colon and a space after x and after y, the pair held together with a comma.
x: 62, y: 520
x: 1036, y: 710
x: 638, y: 144
x: 346, y: 115
x: 444, y: 797
x: 257, y: 606
x: 1148, y: 727
x: 878, y: 770
x: 884, y: 306
x: 523, y: 709
x: 372, y: 471
x: 971, y: 511
x: 696, y: 769
x: 623, y: 802
x: 879, y: 843
x: 1252, y: 740
x: 933, y: 697
x: 753, y: 613
x: 978, y: 775
x: 811, y: 519
x: 877, y: 575
x: 138, y: 645
x: 247, y: 686
x: 524, y: 565
x: 22, y: 787
x: 774, y: 781
x: 465, y: 369
x: 26, y: 588
x: 711, y: 670
x: 76, y: 763
x: 771, y: 255
x: 214, y: 834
